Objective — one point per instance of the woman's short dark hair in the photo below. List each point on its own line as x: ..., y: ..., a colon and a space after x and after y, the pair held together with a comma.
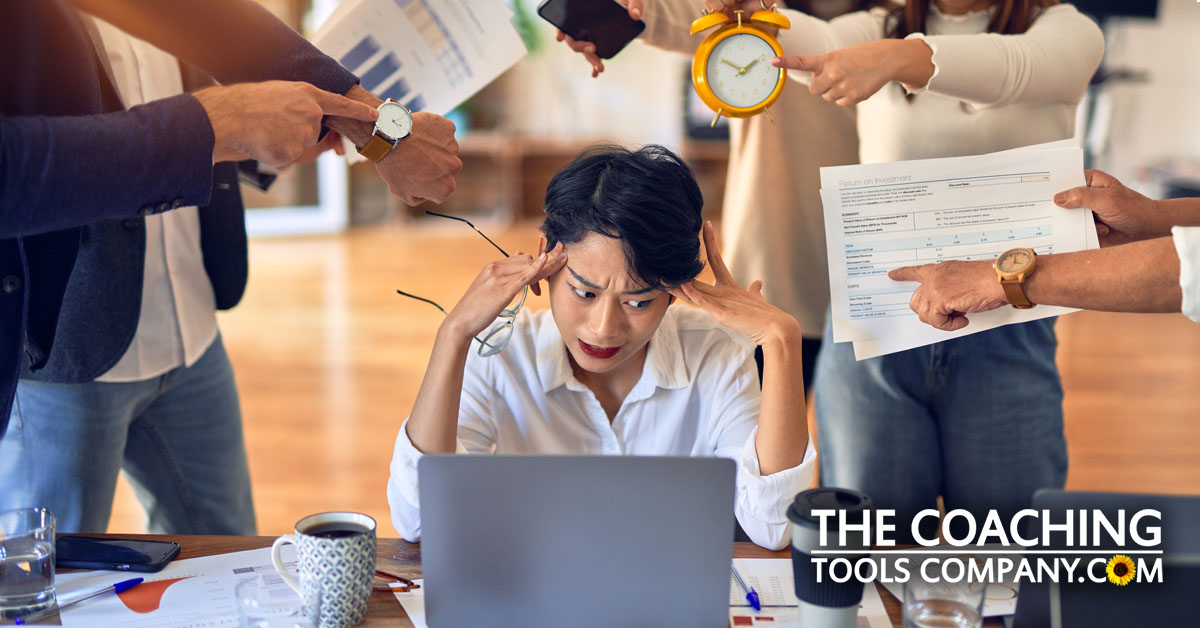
x: 647, y: 198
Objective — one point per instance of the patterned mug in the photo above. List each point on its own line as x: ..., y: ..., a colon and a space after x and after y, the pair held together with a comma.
x: 335, y: 555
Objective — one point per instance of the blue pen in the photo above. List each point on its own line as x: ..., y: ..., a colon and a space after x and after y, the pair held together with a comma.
x: 751, y: 594
x: 118, y: 587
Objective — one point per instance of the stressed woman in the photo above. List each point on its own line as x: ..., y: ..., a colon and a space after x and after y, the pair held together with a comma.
x: 612, y: 367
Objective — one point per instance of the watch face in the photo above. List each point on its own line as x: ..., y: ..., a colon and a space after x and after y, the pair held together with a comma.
x: 738, y: 71
x: 1013, y: 261
x: 394, y: 120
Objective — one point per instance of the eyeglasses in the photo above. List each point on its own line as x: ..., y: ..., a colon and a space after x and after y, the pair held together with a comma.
x: 495, y: 337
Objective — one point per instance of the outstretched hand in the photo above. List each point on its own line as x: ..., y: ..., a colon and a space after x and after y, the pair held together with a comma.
x: 1122, y: 215
x: 744, y: 310
x: 848, y: 76
x: 497, y: 285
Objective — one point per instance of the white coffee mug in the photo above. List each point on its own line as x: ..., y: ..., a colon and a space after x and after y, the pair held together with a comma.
x: 335, y: 555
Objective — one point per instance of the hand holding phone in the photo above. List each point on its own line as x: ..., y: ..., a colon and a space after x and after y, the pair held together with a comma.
x: 83, y: 552
x: 597, y: 28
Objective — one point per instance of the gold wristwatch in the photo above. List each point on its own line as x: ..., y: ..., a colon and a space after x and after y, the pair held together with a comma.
x: 394, y: 124
x: 1013, y: 267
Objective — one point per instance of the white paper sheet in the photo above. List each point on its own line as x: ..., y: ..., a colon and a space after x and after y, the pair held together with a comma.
x: 883, y: 216
x: 191, y: 593
x: 430, y: 55
x: 772, y: 579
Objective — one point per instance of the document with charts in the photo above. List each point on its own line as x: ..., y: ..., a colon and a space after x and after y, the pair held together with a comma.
x: 879, y: 217
x: 190, y: 593
x: 430, y: 55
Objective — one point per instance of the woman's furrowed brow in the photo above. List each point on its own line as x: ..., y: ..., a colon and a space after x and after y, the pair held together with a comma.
x: 593, y: 286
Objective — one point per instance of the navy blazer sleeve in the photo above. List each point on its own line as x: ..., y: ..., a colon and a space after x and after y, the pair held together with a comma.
x: 65, y: 171
x: 64, y: 165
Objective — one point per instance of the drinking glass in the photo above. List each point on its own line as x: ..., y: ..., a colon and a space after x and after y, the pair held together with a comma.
x: 942, y: 604
x: 26, y: 562
x: 266, y: 601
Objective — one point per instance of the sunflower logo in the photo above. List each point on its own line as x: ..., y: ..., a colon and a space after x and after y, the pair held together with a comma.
x: 1120, y: 570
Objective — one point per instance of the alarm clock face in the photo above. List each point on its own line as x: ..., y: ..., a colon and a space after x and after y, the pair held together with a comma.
x: 738, y: 70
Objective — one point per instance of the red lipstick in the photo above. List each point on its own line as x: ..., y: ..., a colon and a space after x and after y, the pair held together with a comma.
x: 602, y: 353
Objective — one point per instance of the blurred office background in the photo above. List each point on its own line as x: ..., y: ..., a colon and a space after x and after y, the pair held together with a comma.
x: 328, y: 358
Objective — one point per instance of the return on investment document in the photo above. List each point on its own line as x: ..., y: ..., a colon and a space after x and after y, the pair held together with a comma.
x: 883, y: 216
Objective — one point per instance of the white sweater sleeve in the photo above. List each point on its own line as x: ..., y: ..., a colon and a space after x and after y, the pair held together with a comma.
x: 1051, y: 62
x: 1187, y: 245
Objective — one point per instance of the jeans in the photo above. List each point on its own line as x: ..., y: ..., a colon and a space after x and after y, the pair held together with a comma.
x: 977, y: 420
x: 177, y: 436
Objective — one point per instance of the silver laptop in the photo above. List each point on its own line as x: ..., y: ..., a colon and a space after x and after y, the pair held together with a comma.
x: 576, y: 541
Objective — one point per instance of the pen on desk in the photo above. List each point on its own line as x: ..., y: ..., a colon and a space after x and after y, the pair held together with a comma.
x: 118, y: 587
x: 751, y: 594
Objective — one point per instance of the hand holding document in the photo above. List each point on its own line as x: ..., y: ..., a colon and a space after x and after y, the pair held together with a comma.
x: 879, y: 217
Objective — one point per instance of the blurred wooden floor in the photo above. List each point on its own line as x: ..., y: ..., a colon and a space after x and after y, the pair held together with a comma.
x: 328, y: 359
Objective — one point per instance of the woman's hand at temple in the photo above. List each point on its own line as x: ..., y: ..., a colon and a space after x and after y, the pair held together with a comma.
x: 496, y: 286
x: 433, y: 423
x: 741, y: 309
x: 782, y: 436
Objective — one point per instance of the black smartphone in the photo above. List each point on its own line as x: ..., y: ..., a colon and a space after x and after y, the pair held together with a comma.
x: 82, y: 552
x: 602, y: 22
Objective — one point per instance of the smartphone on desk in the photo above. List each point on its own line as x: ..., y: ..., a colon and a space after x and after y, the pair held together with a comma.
x: 82, y: 552
x: 603, y: 22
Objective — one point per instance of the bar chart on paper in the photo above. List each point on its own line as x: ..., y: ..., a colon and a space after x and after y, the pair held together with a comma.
x: 429, y: 55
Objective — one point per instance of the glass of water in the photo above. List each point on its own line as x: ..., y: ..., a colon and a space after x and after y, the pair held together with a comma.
x: 26, y: 562
x: 942, y: 604
x: 266, y: 601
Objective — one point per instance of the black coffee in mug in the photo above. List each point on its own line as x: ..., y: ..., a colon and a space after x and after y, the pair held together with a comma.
x: 335, y: 530
x: 335, y: 560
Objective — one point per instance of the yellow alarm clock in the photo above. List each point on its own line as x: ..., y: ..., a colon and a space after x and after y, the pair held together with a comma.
x: 730, y: 69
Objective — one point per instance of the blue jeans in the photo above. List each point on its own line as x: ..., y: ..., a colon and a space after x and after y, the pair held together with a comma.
x: 977, y: 420
x: 177, y: 436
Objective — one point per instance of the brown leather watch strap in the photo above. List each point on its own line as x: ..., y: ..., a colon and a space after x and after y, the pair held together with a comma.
x: 376, y: 148
x: 1014, y: 291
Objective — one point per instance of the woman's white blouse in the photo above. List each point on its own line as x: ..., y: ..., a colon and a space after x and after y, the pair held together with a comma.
x: 698, y: 396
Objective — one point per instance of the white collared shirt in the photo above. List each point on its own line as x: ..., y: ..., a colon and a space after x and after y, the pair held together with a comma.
x: 178, y: 321
x: 698, y: 396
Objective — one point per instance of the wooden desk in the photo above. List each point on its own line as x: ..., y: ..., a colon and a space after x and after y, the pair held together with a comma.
x: 404, y: 559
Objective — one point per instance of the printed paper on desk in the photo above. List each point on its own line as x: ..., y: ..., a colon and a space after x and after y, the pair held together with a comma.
x: 430, y: 55
x: 192, y: 593
x: 883, y: 216
x: 773, y: 580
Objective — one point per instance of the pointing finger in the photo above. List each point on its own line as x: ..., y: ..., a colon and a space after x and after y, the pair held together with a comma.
x: 907, y: 273
x: 813, y: 63
x: 338, y: 105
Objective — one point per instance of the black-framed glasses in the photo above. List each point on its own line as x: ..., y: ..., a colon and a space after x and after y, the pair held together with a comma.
x: 495, y: 337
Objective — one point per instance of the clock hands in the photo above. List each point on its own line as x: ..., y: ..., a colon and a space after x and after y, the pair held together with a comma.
x: 739, y: 69
x: 742, y: 70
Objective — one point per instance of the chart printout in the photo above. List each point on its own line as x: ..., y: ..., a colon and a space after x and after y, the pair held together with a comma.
x: 879, y: 217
